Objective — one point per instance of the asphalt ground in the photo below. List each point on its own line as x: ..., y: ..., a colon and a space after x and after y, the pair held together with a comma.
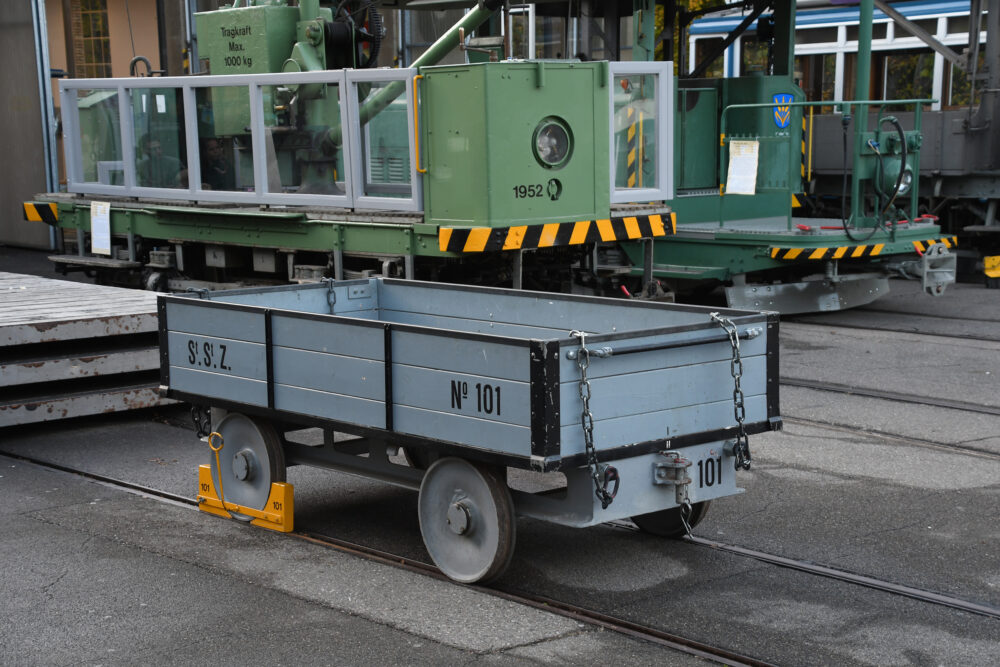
x: 891, y: 490
x: 94, y: 575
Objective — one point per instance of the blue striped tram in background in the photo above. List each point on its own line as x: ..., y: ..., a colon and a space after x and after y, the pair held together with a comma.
x: 955, y: 61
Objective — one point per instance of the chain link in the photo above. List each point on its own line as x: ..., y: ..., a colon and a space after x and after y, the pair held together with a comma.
x: 602, y: 475
x: 685, y: 513
x: 742, y: 447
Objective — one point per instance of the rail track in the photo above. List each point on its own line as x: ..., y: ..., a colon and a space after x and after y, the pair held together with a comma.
x: 906, y: 440
x: 593, y: 617
x: 901, y: 397
x: 903, y: 322
x: 657, y: 636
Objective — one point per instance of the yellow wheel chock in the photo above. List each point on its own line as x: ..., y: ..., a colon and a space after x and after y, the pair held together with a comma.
x: 279, y: 510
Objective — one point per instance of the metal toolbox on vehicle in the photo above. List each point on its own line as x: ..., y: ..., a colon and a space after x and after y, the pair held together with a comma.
x: 494, y: 372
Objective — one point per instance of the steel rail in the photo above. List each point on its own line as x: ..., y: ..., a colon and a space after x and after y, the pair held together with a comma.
x: 580, y: 614
x: 629, y: 628
x: 891, y: 395
x: 871, y: 327
x: 850, y: 577
x: 845, y: 576
x: 901, y: 439
x: 879, y: 309
x: 660, y: 637
x: 104, y: 479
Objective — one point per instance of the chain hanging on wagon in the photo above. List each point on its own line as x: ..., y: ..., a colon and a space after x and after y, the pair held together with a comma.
x: 741, y: 449
x: 603, y: 475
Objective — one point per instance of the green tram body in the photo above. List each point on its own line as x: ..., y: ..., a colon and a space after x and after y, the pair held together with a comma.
x: 492, y: 211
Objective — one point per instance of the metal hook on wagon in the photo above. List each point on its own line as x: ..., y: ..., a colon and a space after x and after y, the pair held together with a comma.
x: 611, y: 476
x: 202, y: 420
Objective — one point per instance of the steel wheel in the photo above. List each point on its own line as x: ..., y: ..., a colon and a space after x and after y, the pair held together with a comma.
x: 667, y: 523
x: 467, y: 520
x: 251, y: 459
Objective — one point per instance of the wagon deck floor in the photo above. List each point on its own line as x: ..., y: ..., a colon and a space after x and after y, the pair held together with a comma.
x: 829, y: 227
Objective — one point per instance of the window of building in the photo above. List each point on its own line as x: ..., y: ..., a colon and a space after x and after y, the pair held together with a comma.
x: 753, y: 55
x: 895, y: 75
x: 958, y: 24
x: 816, y: 36
x: 879, y: 31
x: 423, y: 28
x: 817, y: 77
x: 91, y: 38
x: 929, y: 25
x: 702, y: 48
x: 550, y: 37
x: 957, y: 90
x: 908, y: 75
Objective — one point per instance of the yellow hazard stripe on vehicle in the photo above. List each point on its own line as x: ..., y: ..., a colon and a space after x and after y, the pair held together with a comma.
x: 851, y: 252
x: 633, y: 150
x: 803, y: 141
x: 47, y: 213
x: 991, y: 266
x: 947, y: 241
x: 526, y: 237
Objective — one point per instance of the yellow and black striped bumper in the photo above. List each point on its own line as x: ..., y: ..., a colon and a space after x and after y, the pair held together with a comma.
x: 527, y: 237
x: 851, y: 251
x: 948, y: 241
x: 47, y: 213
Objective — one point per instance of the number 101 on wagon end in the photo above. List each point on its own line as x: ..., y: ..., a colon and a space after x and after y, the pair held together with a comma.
x: 480, y: 397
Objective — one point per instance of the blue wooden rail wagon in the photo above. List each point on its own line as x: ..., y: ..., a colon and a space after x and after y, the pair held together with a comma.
x: 614, y: 409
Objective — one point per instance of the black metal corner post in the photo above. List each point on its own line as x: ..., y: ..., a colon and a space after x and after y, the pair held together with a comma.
x: 269, y: 357
x: 773, y: 368
x: 161, y: 313
x: 545, y: 408
x: 387, y: 361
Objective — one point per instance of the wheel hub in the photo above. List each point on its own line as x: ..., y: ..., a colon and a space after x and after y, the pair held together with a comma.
x: 458, y: 518
x: 244, y: 465
x: 467, y: 519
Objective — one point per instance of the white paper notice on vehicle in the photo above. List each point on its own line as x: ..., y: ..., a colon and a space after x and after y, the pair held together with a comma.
x: 100, y: 227
x: 742, y: 178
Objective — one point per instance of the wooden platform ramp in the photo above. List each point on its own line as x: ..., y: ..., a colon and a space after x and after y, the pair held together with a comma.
x: 71, y: 349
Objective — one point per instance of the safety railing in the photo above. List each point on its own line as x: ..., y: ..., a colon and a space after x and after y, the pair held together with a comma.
x: 257, y: 138
x: 861, y: 107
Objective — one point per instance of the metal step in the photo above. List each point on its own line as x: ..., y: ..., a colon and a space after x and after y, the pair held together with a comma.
x: 94, y: 262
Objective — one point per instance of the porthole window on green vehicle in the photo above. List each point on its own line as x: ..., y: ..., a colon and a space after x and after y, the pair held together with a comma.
x: 552, y: 143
